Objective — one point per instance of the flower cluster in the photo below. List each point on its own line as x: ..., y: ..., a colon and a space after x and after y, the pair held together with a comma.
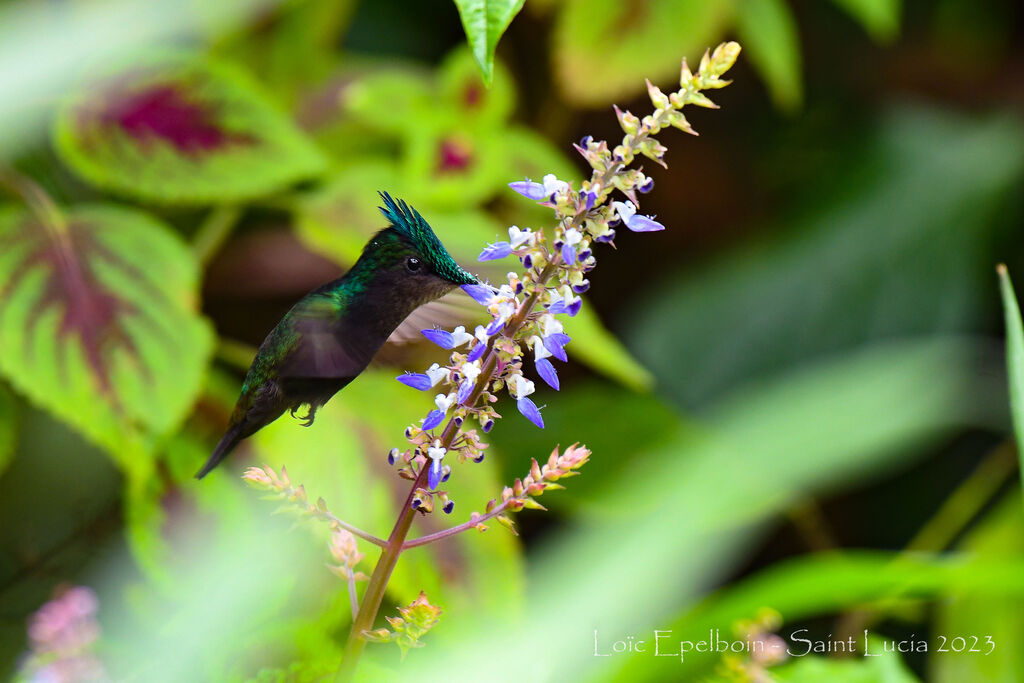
x: 418, y: 618
x: 62, y: 634
x: 280, y: 487
x: 541, y: 478
x: 527, y: 310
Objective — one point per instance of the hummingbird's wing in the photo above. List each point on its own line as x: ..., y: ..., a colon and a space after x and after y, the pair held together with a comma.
x: 322, y: 348
x: 454, y: 308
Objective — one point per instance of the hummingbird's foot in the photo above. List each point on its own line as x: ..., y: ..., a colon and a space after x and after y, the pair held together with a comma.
x: 307, y: 419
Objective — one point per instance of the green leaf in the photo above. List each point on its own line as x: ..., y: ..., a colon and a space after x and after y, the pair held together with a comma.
x: 1014, y: 358
x: 601, y: 350
x: 98, y: 323
x: 872, y: 257
x: 983, y: 612
x: 484, y: 21
x: 881, y: 18
x: 603, y: 49
x: 8, y: 428
x: 768, y: 33
x: 183, y: 129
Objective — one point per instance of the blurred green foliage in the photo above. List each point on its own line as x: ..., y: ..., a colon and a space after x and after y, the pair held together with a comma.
x: 831, y: 343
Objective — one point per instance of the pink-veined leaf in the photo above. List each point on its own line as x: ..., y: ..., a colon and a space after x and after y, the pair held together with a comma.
x: 183, y: 129
x: 98, y: 323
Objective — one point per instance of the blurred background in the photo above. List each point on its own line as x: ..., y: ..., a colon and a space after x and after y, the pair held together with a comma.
x: 795, y: 395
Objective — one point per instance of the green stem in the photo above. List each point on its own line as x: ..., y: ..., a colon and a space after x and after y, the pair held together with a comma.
x: 214, y: 231
x: 959, y: 509
x: 474, y: 520
x: 964, y: 504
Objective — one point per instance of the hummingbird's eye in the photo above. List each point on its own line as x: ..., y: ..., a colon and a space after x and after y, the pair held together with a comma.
x: 413, y: 264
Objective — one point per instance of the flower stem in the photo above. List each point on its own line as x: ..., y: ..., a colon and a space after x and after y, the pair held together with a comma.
x: 437, y: 536
x: 377, y: 586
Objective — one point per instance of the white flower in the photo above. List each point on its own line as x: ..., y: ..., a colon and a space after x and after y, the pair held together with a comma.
x: 460, y: 336
x: 471, y: 370
x: 539, y: 350
x: 523, y: 387
x: 550, y: 325
x: 435, y: 452
x: 444, y: 402
x: 625, y: 210
x: 436, y: 373
x: 481, y: 334
x: 553, y: 185
x: 573, y: 236
x: 517, y: 237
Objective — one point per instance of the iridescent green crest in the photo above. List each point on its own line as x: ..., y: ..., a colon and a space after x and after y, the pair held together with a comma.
x: 408, y: 222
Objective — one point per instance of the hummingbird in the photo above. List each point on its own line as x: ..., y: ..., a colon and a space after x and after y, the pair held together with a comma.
x: 329, y: 337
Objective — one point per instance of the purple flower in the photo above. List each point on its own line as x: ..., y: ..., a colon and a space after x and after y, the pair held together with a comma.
x: 434, y: 475
x: 495, y: 326
x: 416, y: 380
x: 547, y: 372
x: 568, y: 254
x: 554, y: 343
x: 606, y: 237
x: 634, y: 221
x: 530, y: 411
x: 584, y: 255
x: 448, y: 507
x: 482, y: 294
x: 583, y: 286
x: 529, y: 189
x: 647, y: 186
x: 477, y: 351
x: 561, y: 307
x: 487, y: 426
x: 591, y: 199
x: 392, y: 455
x: 465, y: 389
x: 493, y: 252
x: 442, y: 338
x: 433, y: 419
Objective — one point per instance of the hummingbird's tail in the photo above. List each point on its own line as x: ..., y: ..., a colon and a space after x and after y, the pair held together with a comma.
x: 227, y: 444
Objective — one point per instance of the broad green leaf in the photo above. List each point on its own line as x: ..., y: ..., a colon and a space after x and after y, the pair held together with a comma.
x: 484, y: 21
x: 605, y: 48
x: 181, y: 128
x: 8, y: 427
x: 98, y: 323
x: 767, y: 30
x: 880, y: 18
x: 1014, y: 357
x: 899, y: 247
